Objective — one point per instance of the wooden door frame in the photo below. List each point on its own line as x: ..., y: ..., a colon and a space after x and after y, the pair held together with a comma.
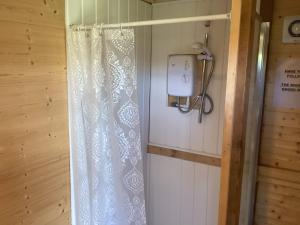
x: 236, y: 99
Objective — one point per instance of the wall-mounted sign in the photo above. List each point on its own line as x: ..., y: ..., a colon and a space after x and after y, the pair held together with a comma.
x: 287, y: 85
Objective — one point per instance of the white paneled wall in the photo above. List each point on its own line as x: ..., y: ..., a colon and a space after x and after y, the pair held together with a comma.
x: 182, y: 192
x: 108, y: 11
x: 168, y: 126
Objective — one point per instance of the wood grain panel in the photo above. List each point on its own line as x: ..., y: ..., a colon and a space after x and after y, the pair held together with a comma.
x: 278, y: 191
x: 241, y: 52
x: 185, y: 155
x: 34, y: 154
x: 278, y: 196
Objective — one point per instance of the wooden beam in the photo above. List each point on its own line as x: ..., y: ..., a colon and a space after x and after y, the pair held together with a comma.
x: 160, y: 1
x: 148, y: 1
x: 238, y: 74
x: 266, y: 10
x: 189, y: 156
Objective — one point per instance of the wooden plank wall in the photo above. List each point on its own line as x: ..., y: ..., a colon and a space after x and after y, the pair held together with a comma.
x: 278, y: 193
x: 34, y: 154
x: 182, y: 192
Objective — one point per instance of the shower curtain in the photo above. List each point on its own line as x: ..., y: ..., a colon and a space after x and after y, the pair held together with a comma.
x: 107, y: 184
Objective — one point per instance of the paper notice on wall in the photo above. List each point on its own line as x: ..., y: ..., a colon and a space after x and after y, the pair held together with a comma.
x: 287, y: 85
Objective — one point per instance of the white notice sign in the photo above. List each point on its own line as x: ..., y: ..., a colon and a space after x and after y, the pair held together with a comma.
x: 287, y: 85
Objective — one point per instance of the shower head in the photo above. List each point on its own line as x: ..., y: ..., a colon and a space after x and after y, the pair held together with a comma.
x: 205, y: 54
x: 202, y: 51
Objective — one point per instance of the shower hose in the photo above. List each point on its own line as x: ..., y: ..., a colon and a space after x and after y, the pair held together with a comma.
x: 203, y: 97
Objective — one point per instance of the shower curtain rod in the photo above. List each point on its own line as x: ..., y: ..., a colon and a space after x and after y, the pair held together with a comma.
x: 225, y: 16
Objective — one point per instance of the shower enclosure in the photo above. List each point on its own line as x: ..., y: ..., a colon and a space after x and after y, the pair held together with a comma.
x: 192, y: 170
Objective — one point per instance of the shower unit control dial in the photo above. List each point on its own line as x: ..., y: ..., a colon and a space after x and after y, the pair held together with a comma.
x: 181, y: 75
x: 291, y: 29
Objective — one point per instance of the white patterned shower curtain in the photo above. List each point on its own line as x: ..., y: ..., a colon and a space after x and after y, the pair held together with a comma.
x: 106, y: 159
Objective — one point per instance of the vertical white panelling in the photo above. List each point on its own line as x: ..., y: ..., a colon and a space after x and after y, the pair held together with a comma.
x: 180, y: 128
x: 168, y: 127
x: 113, y: 11
x: 109, y: 11
x: 124, y: 10
x: 187, y: 192
x: 164, y: 197
x: 146, y: 92
x: 103, y: 11
x: 174, y: 176
x: 194, y: 187
x: 89, y: 12
x: 182, y: 192
x: 200, y: 197
x: 196, y: 140
x: 140, y: 62
x: 132, y: 11
x: 213, y: 190
x: 219, y: 46
x: 165, y: 206
x: 139, y: 10
x: 166, y: 124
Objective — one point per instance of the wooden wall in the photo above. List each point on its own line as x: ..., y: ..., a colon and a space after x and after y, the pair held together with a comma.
x: 34, y: 153
x: 182, y: 192
x: 278, y: 193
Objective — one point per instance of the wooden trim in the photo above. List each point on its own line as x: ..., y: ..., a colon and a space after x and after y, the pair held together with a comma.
x: 148, y: 1
x: 238, y: 74
x: 162, y: 1
x: 189, y: 156
x: 266, y: 10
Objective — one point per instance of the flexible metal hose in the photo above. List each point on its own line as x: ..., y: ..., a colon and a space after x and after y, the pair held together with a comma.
x: 203, y: 96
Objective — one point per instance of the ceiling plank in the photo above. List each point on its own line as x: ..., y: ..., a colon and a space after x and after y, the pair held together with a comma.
x: 148, y: 1
x: 159, y: 1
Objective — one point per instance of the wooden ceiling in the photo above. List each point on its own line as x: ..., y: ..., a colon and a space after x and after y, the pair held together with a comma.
x: 157, y: 1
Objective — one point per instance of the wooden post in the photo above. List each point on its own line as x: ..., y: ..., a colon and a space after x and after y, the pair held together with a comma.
x: 238, y: 74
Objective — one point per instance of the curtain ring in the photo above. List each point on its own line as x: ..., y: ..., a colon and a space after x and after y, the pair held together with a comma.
x: 121, y: 28
x: 101, y: 29
x: 85, y: 31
